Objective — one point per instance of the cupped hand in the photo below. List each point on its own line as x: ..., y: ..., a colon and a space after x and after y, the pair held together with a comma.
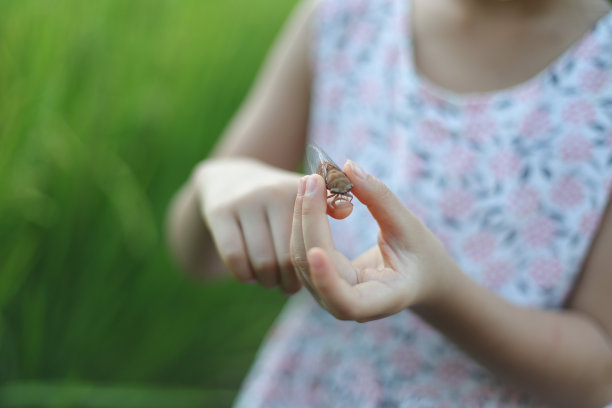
x: 248, y: 206
x: 409, y: 265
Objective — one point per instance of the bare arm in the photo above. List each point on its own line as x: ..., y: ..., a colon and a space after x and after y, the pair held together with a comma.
x: 562, y: 356
x: 270, y: 126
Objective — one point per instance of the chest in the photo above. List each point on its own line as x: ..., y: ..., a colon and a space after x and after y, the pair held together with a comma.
x: 467, y: 53
x: 513, y: 182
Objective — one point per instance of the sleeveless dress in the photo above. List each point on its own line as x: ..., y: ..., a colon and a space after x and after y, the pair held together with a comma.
x: 513, y: 182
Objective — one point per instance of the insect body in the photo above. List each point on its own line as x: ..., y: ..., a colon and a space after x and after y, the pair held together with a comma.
x: 336, y: 181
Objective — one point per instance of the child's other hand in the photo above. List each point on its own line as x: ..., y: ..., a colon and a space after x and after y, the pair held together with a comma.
x: 247, y: 207
x: 409, y: 266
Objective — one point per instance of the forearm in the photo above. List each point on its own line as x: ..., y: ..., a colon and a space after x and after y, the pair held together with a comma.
x: 189, y: 239
x: 561, y: 356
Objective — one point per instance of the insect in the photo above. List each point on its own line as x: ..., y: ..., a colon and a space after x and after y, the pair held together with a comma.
x: 336, y: 181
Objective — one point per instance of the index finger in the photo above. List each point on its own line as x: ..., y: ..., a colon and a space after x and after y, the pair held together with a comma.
x: 315, y: 225
x: 393, y: 218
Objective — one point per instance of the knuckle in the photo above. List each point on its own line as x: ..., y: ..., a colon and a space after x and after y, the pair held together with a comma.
x: 252, y: 197
x: 383, y: 192
x: 267, y: 280
x: 340, y: 315
x: 232, y: 254
x: 241, y: 275
x: 266, y: 270
x: 235, y: 262
x: 268, y: 283
x: 229, y: 207
x: 216, y: 213
x: 286, y: 264
x: 260, y: 196
x: 308, y: 208
x: 282, y: 190
x: 264, y: 264
x: 339, y: 311
x: 347, y: 312
x: 291, y: 286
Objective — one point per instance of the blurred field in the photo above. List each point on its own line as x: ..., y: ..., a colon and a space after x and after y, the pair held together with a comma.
x: 105, y: 106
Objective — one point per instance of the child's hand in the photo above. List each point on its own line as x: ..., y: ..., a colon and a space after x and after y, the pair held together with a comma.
x: 409, y: 265
x: 247, y: 206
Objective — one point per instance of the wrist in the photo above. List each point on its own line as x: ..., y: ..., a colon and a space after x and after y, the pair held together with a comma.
x: 448, y: 285
x: 209, y: 163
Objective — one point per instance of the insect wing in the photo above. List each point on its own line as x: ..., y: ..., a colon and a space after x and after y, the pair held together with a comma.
x: 316, y: 159
x: 313, y: 159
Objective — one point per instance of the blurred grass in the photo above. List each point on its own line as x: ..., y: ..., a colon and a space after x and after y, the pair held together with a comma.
x: 81, y: 395
x: 105, y: 106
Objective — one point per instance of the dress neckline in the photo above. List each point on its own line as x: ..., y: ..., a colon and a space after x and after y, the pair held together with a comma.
x: 459, y: 98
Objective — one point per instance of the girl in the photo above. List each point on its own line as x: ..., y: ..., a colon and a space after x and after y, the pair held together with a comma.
x: 488, y: 126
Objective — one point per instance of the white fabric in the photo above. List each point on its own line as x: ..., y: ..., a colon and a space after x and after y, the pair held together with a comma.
x: 513, y: 182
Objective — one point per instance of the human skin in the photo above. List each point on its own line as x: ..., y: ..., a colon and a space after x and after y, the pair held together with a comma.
x: 465, y: 46
x: 267, y: 136
x: 562, y: 356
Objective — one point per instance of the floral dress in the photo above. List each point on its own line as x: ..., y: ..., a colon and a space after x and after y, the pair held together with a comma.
x: 513, y: 182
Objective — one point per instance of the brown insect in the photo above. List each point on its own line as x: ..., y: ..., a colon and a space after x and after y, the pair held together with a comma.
x: 336, y: 181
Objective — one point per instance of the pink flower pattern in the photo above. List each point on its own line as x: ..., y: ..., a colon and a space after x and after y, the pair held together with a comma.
x: 536, y: 124
x: 589, y: 223
x: 588, y: 48
x: 496, y: 273
x: 546, y: 272
x: 479, y: 128
x: 505, y: 163
x: 594, y: 80
x: 514, y: 183
x: 413, y: 165
x: 479, y: 246
x: 568, y: 192
x: 575, y: 148
x: 539, y: 231
x: 460, y: 160
x: 524, y: 200
x: 453, y: 372
x: 580, y: 112
x: 433, y: 132
x: 456, y: 204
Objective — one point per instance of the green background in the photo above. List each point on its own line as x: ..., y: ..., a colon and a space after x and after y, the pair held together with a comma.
x: 105, y: 107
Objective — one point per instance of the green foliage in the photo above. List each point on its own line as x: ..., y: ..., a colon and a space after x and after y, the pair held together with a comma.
x: 105, y: 107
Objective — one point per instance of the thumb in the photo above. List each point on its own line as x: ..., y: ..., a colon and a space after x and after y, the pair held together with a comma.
x: 393, y: 218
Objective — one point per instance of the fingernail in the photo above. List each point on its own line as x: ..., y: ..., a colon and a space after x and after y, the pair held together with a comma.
x: 316, y: 263
x: 310, y: 184
x: 302, y: 186
x: 357, y: 170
